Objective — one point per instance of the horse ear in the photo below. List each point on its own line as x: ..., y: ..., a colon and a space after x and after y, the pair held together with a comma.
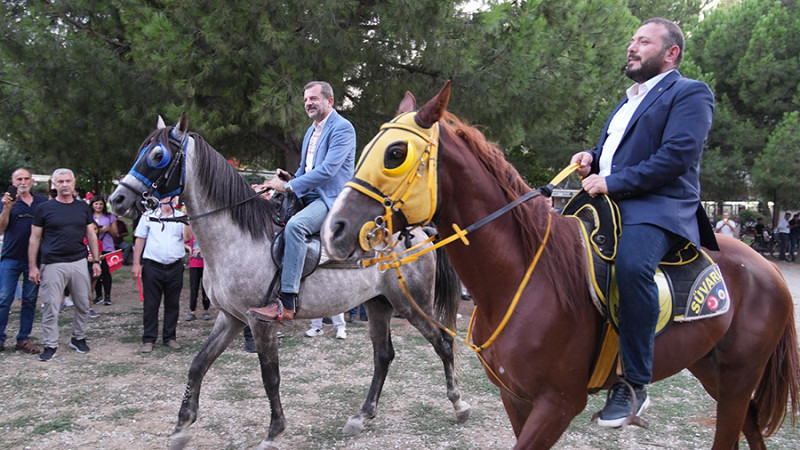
x: 435, y: 108
x: 408, y: 104
x: 181, y: 127
x: 160, y: 124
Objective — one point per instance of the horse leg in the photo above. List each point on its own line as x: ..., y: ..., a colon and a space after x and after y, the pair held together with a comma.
x: 380, y: 315
x: 225, y: 329
x: 443, y: 345
x: 266, y: 339
x: 549, y: 416
x: 732, y: 388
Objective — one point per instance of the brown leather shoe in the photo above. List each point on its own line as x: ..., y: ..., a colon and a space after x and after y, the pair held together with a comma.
x: 173, y: 344
x: 272, y: 312
x: 27, y: 347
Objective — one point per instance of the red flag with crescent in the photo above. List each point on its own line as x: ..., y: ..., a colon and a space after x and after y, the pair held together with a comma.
x: 114, y: 260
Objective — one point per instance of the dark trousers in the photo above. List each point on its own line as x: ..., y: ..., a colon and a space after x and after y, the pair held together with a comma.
x: 640, y: 249
x: 104, y: 283
x: 195, y: 287
x: 161, y: 280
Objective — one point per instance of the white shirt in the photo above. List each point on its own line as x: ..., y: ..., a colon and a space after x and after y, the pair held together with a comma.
x: 165, y: 246
x: 783, y: 225
x: 620, y: 121
x: 312, y: 143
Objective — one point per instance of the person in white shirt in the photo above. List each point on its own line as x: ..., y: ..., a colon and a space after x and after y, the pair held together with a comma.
x: 158, y: 259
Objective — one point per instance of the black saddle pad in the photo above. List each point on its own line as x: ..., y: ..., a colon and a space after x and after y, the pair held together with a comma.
x: 313, y: 252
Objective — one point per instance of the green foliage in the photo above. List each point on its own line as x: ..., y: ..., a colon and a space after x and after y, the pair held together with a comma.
x: 10, y: 161
x: 776, y: 169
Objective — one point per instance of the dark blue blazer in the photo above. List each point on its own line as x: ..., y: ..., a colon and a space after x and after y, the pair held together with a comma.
x: 655, y: 173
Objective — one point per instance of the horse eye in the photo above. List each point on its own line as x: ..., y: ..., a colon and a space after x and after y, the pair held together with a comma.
x: 157, y: 157
x: 395, y: 155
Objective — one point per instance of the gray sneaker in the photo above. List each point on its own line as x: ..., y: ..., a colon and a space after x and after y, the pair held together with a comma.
x: 190, y: 317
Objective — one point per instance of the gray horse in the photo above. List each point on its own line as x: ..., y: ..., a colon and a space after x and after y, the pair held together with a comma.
x: 236, y: 236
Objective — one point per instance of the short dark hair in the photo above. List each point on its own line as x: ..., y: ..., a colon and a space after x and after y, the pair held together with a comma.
x: 674, y: 36
x: 327, y: 90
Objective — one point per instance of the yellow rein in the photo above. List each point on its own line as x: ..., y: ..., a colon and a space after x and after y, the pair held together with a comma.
x: 396, y: 262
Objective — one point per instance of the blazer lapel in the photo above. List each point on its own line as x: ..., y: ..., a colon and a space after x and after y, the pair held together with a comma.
x: 651, y: 97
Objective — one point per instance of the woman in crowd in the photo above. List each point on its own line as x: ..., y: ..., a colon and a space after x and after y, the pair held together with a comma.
x: 106, y: 230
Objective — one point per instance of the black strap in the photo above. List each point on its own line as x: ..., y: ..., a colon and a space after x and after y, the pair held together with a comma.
x: 185, y: 219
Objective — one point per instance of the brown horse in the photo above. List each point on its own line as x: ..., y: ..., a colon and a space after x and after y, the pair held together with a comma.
x: 747, y: 358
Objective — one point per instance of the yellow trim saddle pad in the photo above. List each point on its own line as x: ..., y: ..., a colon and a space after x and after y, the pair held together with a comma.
x: 690, y: 284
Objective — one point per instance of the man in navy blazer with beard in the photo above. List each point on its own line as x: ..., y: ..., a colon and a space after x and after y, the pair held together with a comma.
x: 648, y: 161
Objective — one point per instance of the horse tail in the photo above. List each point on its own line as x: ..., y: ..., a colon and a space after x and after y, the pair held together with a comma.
x: 447, y: 290
x: 779, y: 383
x: 447, y: 287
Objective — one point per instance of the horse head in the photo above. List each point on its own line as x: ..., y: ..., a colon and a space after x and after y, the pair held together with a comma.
x: 396, y: 181
x: 158, y: 172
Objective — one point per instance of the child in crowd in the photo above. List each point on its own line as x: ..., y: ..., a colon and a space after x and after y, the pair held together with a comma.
x: 196, y: 282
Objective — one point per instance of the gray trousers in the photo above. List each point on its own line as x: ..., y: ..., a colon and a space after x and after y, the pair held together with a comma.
x: 54, y: 278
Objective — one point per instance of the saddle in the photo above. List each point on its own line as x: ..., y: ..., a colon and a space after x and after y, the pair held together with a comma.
x: 690, y: 284
x: 315, y: 254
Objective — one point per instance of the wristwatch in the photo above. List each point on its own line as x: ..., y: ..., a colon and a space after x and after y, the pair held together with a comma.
x: 95, y: 262
x: 288, y: 188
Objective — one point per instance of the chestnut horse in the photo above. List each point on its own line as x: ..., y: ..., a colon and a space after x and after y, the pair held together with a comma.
x: 746, y: 359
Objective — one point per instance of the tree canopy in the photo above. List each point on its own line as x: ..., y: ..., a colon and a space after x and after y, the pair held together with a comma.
x: 82, y: 82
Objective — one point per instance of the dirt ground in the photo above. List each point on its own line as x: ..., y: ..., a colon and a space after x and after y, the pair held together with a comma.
x: 115, y: 397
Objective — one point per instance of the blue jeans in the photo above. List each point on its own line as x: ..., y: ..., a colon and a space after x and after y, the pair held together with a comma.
x: 305, y: 223
x: 641, y: 247
x: 10, y: 270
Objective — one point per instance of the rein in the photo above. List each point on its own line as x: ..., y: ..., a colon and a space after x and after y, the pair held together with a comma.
x: 185, y: 219
x: 461, y: 234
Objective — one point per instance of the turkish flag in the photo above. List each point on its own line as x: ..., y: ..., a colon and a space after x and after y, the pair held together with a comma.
x: 114, y: 260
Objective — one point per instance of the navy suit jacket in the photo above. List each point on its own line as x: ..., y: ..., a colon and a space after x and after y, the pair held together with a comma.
x: 655, y: 173
x: 334, y: 160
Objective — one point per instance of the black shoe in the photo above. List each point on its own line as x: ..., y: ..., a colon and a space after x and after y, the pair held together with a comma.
x: 249, y: 345
x: 107, y: 301
x: 97, y: 300
x: 619, y: 405
x: 47, y: 354
x: 79, y: 345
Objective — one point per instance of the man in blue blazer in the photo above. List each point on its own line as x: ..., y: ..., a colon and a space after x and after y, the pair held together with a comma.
x: 326, y: 164
x: 648, y: 161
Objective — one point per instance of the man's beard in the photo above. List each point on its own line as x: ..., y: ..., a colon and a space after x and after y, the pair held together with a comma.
x: 648, y: 68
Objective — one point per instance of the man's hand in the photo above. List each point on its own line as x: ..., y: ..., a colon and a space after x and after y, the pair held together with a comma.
x: 594, y: 185
x: 34, y: 275
x: 8, y: 200
x: 584, y: 159
x: 96, y: 270
x: 136, y: 269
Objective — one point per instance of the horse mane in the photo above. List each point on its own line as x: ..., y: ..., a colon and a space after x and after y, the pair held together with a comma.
x: 221, y: 185
x: 562, y: 254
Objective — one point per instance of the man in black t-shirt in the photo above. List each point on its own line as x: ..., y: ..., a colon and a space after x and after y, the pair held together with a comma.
x: 59, y: 227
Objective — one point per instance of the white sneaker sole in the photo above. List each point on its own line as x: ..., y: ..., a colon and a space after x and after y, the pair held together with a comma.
x: 616, y: 423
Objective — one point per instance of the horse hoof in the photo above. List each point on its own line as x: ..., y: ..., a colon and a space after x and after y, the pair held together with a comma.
x: 463, y: 415
x: 179, y: 440
x: 268, y: 444
x: 353, y: 427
